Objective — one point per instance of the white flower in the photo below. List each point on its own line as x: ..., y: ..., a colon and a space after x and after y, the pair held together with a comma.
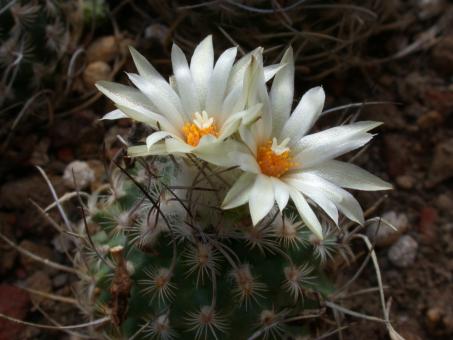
x: 280, y: 161
x: 196, y: 111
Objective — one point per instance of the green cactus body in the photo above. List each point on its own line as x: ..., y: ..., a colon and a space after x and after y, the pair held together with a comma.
x: 198, y: 272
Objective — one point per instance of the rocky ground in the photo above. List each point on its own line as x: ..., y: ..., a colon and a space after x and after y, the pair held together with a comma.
x: 413, y: 150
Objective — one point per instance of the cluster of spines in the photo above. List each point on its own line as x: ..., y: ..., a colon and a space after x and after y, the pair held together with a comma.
x: 31, y: 33
x: 219, y: 266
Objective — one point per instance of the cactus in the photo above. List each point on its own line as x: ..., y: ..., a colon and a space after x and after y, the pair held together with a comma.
x: 33, y: 38
x: 174, y: 266
x: 36, y: 38
x: 152, y: 259
x: 182, y: 257
x: 169, y: 251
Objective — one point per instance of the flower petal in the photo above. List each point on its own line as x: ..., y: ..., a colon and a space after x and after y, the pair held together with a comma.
x: 239, y: 68
x: 215, y: 151
x: 153, y: 119
x: 271, y: 70
x: 239, y: 192
x: 305, y: 114
x: 229, y: 128
x: 233, y: 122
x: 256, y: 91
x: 124, y: 95
x: 349, y: 176
x: 159, y: 98
x: 350, y: 207
x: 311, y: 184
x: 234, y: 102
x: 282, y: 92
x: 325, y: 145
x: 261, y: 199
x: 148, y: 72
x: 134, y: 104
x: 257, y: 130
x: 281, y: 193
x: 142, y: 150
x: 184, y: 83
x: 245, y: 161
x: 156, y: 137
x: 201, y: 66
x: 304, y: 181
x: 318, y: 195
x: 306, y: 213
x: 248, y: 138
x: 144, y: 67
x: 174, y: 145
x: 324, y: 203
x: 115, y: 114
x: 218, y: 81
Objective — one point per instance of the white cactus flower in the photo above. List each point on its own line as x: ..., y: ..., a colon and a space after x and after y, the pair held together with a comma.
x: 280, y: 161
x: 201, y: 106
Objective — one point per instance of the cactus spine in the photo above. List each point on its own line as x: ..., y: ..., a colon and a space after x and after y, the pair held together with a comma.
x: 177, y: 267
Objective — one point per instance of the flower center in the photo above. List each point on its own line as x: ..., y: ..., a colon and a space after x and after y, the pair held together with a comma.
x: 275, y: 159
x: 201, y: 125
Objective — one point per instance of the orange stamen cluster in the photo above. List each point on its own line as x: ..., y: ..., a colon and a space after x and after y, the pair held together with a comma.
x: 193, y: 133
x: 272, y: 164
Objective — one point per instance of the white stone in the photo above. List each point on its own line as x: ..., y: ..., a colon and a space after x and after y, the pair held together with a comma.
x: 384, y: 235
x: 82, y: 173
x: 402, y: 254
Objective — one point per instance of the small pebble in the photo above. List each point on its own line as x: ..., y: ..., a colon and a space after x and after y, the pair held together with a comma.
x: 442, y: 164
x: 430, y: 119
x: 402, y: 254
x: 433, y: 315
x: 386, y: 235
x: 405, y: 182
x: 96, y: 71
x: 439, y: 320
x: 59, y: 280
x: 82, y: 173
x: 103, y: 49
x: 445, y: 203
x: 39, y: 281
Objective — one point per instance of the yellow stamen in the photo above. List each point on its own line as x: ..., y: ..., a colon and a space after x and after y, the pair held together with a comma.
x: 273, y: 164
x: 193, y: 133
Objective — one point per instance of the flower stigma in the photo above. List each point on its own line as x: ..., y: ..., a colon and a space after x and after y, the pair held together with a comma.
x: 275, y: 159
x: 201, y: 125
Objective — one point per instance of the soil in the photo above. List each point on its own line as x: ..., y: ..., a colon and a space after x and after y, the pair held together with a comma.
x: 413, y: 150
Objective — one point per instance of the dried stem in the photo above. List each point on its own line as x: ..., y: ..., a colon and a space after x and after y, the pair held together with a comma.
x: 68, y: 331
x: 344, y: 310
x: 37, y: 325
x: 51, y: 296
x: 47, y: 262
x: 53, y: 223
x: 55, y: 196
